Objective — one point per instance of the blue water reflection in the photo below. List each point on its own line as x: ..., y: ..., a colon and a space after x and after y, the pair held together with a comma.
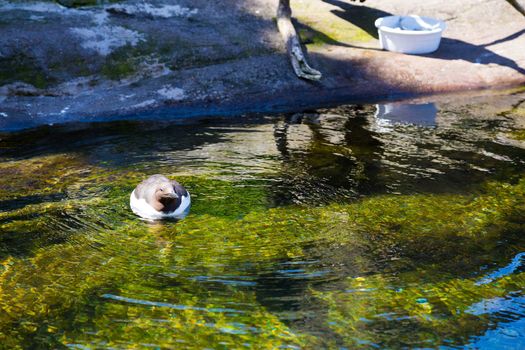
x: 407, y: 113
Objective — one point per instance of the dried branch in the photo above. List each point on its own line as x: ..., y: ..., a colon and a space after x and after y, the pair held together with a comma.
x: 518, y: 5
x: 293, y: 46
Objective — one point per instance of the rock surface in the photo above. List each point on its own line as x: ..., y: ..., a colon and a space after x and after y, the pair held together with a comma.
x: 171, y: 59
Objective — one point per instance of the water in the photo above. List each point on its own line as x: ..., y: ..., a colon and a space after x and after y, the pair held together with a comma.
x: 388, y: 226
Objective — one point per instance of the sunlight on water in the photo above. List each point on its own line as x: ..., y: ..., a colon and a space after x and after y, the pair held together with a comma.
x: 388, y: 226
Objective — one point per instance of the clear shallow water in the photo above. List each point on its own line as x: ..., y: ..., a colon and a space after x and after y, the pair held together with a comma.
x: 391, y: 226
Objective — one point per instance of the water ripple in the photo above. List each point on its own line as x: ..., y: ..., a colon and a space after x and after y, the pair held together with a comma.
x: 169, y: 305
x: 516, y: 263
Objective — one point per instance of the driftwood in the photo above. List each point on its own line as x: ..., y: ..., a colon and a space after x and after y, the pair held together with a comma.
x: 293, y: 45
x: 518, y: 5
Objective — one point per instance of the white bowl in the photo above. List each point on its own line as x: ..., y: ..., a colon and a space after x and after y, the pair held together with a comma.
x: 409, y: 34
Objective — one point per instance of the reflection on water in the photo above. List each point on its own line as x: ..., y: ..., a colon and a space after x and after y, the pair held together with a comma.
x: 515, y: 264
x: 408, y: 113
x: 389, y: 226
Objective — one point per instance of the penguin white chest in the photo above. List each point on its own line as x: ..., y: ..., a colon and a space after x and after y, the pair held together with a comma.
x: 143, y: 209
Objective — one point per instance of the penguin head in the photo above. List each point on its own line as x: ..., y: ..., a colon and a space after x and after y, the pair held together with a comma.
x: 165, y: 193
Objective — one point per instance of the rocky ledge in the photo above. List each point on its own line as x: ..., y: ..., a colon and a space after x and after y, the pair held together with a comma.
x: 87, y: 60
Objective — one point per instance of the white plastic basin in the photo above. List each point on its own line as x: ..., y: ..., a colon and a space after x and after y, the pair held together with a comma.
x: 409, y: 34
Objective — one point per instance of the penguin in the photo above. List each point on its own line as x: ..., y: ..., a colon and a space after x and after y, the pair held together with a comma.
x: 158, y: 198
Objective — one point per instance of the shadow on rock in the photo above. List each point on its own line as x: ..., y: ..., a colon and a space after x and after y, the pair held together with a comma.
x: 360, y: 16
x: 450, y: 49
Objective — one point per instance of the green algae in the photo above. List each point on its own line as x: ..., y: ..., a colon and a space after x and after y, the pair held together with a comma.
x: 122, y: 290
x: 23, y: 68
x: 321, y: 24
x: 116, y: 70
x: 315, y: 33
x: 429, y: 311
x: 73, y: 66
x: 121, y: 63
x: 129, y: 60
x: 194, y: 327
x: 79, y: 270
x: 518, y: 135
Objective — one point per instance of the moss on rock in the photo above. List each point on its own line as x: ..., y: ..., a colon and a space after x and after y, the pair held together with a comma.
x: 322, y: 23
x: 21, y: 67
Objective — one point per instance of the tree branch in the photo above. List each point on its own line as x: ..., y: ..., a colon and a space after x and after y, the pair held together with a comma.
x: 518, y: 5
x: 293, y: 46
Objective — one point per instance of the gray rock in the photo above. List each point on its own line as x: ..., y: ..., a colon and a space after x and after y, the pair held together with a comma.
x: 164, y: 59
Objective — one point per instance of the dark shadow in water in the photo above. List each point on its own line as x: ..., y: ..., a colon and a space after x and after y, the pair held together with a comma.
x: 116, y: 142
x: 112, y: 145
x: 327, y: 172
x: 20, y: 202
x: 20, y: 244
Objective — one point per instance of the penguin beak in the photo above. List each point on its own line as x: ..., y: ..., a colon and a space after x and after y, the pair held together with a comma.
x: 172, y: 195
